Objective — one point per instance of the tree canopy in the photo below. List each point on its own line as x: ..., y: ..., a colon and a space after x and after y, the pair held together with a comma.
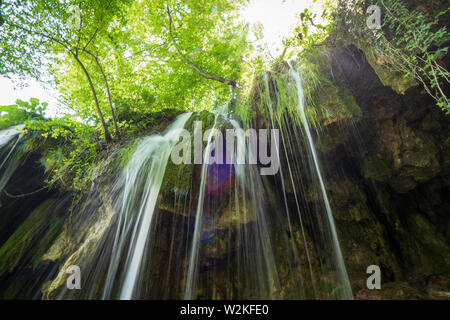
x: 117, y: 61
x: 131, y: 56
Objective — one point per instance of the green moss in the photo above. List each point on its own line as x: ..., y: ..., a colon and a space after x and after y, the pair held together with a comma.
x: 432, y: 252
x: 32, y: 239
x: 177, y: 177
x: 122, y: 156
x: 388, y: 75
x: 374, y: 167
x: 206, y: 118
x: 348, y: 101
x: 51, y: 233
x: 328, y: 141
x: 327, y: 97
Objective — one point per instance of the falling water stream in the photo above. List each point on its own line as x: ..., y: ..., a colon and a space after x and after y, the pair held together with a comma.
x: 139, y: 186
x: 347, y: 293
x: 234, y: 238
x: 193, y: 260
x: 254, y: 251
x: 9, y: 161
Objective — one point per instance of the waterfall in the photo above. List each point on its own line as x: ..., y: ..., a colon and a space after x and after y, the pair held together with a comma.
x: 250, y: 226
x: 138, y: 188
x: 193, y: 261
x: 342, y: 272
x: 262, y: 261
x: 9, y: 157
x: 292, y: 244
x: 230, y: 233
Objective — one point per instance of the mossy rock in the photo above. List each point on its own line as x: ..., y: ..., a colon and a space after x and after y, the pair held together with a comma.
x: 327, y: 96
x: 391, y: 291
x: 32, y: 239
x: 331, y: 140
x: 428, y: 249
x: 390, y: 77
x: 375, y: 167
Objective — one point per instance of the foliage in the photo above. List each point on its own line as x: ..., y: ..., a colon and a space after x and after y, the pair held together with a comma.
x: 74, y: 153
x: 145, y: 72
x: 38, y: 36
x: 416, y: 48
x: 309, y: 33
x: 20, y: 112
x: 205, y: 33
x: 73, y: 148
x: 408, y: 41
x: 36, y: 32
x: 124, y: 55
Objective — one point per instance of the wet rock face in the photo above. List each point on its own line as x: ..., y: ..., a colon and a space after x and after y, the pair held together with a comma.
x: 406, y: 137
x: 388, y: 183
x: 403, y: 154
x: 14, y: 208
x: 31, y: 218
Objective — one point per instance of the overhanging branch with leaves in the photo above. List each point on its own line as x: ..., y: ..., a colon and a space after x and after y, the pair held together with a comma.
x: 204, y: 74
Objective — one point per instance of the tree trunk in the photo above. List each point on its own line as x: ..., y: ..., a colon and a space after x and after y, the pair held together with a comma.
x: 107, y: 91
x: 99, y: 111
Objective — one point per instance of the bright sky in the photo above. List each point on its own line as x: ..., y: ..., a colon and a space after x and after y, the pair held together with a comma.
x: 10, y: 92
x: 278, y: 18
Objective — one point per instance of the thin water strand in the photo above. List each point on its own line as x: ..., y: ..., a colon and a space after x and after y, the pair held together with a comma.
x: 347, y: 292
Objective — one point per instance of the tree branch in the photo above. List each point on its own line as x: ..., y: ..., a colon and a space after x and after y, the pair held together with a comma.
x: 232, y: 83
x: 90, y: 40
x: 63, y: 44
